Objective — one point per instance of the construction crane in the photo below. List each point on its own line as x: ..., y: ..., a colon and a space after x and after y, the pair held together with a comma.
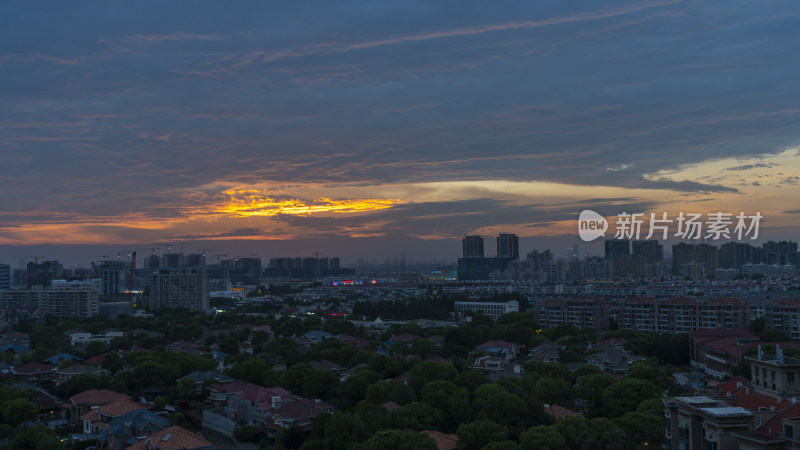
x: 204, y: 250
x: 169, y: 247
x: 94, y: 267
x: 224, y: 256
x: 153, y: 249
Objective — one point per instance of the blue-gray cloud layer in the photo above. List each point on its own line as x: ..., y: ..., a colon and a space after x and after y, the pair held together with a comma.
x: 106, y: 106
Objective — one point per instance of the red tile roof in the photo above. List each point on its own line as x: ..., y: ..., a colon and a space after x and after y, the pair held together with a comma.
x: 120, y: 407
x: 95, y: 397
x: 302, y: 409
x: 443, y: 441
x: 773, y: 427
x: 172, y: 438
x: 559, y: 412
x: 33, y: 368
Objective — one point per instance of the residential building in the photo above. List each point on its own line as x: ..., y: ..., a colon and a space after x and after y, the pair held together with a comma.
x: 185, y: 287
x: 491, y: 309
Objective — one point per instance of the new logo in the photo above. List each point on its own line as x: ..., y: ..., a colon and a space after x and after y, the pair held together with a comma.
x: 591, y: 225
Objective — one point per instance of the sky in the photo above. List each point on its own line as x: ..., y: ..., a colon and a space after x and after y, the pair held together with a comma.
x: 364, y: 128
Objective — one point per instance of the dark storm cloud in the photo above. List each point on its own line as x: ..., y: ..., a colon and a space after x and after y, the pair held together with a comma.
x: 107, y: 109
x: 457, y: 218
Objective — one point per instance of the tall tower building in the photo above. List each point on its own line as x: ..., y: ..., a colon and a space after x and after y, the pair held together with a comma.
x: 472, y: 247
x: 185, y: 287
x: 5, y: 276
x: 508, y: 246
x: 617, y: 247
x: 652, y: 251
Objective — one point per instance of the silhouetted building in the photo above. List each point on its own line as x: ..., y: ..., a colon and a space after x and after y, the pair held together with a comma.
x: 5, y: 276
x: 41, y: 274
x: 195, y: 260
x: 185, y: 287
x: 472, y: 247
x: 62, y: 303
x: 616, y: 247
x: 652, y: 250
x: 171, y: 260
x: 508, y: 246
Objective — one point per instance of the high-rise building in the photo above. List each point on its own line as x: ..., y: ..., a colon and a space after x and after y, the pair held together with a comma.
x: 41, y: 274
x: 508, y: 246
x: 172, y: 260
x: 196, y: 260
x: 472, y: 247
x: 615, y: 247
x: 652, y: 250
x: 185, y: 287
x: 62, y: 302
x: 682, y: 254
x: 5, y: 276
x: 113, y: 274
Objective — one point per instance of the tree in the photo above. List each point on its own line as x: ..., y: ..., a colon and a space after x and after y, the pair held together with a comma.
x: 415, y: 416
x: 552, y: 391
x: 591, y: 388
x: 475, y: 435
x: 19, y: 410
x: 423, y: 348
x: 509, y: 410
x: 186, y: 386
x: 354, y: 388
x: 451, y: 400
x: 159, y: 403
x: 642, y: 427
x: 321, y: 384
x: 648, y: 370
x: 248, y: 433
x: 38, y: 437
x: 603, y: 433
x: 772, y: 335
x: 424, y: 372
x: 399, y: 440
x: 542, y: 437
x: 112, y: 362
x: 95, y: 348
x: 229, y: 345
x: 625, y: 395
x: 575, y: 430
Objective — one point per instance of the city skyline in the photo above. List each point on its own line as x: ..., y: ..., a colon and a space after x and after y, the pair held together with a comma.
x: 366, y: 130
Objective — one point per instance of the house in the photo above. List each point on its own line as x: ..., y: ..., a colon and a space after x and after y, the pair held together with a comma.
x: 500, y: 349
x: 297, y: 414
x: 613, y: 360
x: 76, y: 369
x: 408, y: 338
x: 56, y: 359
x: 490, y: 364
x: 132, y: 427
x: 559, y: 412
x: 33, y: 371
x: 218, y: 393
x: 317, y: 336
x: 443, y: 441
x: 43, y: 399
x: 81, y: 403
x: 358, y: 342
x: 328, y: 365
x: 172, y: 438
x: 202, y: 376
x: 546, y: 353
x: 98, y: 419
